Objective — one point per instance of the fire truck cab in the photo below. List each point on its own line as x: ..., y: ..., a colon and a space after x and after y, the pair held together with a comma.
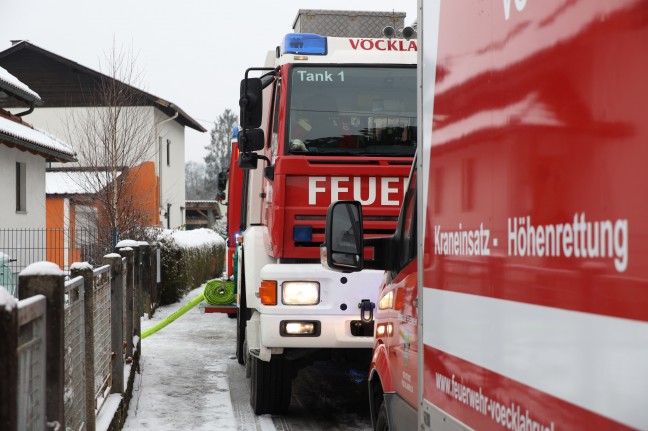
x: 327, y: 118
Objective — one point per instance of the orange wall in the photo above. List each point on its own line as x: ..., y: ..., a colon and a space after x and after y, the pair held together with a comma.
x: 144, y: 188
x: 56, y: 244
x: 54, y: 212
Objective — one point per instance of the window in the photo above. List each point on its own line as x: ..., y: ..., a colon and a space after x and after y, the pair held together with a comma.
x: 407, y: 240
x: 275, y: 121
x: 168, y: 152
x: 21, y: 187
x: 352, y: 110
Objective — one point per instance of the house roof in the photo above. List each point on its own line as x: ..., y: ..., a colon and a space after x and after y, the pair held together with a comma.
x: 11, y: 84
x: 65, y: 83
x: 79, y: 182
x: 16, y: 133
x: 25, y: 137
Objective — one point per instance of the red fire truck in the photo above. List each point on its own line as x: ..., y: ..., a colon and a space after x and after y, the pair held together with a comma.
x: 230, y: 188
x: 516, y: 291
x: 329, y: 118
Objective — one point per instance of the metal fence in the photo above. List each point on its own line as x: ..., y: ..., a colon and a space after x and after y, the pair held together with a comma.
x: 31, y: 363
x: 102, y: 351
x: 61, y: 246
x: 74, y: 355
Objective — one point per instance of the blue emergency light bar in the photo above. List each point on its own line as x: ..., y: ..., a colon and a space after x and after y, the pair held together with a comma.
x: 305, y: 43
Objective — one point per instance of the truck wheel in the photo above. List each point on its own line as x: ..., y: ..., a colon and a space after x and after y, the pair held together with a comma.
x: 382, y: 424
x: 241, y: 321
x: 270, y: 385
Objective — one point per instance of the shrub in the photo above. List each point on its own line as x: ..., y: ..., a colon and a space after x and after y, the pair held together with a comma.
x: 188, y: 259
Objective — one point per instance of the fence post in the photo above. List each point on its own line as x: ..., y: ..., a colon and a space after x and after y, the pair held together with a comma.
x: 116, y: 327
x: 146, y: 278
x: 8, y: 361
x: 85, y: 270
x: 141, y: 290
x: 46, y: 278
x: 156, y: 277
x: 129, y: 254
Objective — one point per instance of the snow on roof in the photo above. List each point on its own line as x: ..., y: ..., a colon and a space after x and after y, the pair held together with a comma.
x: 10, y: 80
x: 193, y: 238
x: 36, y: 137
x: 75, y: 182
x: 6, y: 300
x: 41, y: 268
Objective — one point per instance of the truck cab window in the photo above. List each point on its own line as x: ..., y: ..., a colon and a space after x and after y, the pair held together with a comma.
x: 407, y: 228
x: 363, y: 111
x: 275, y: 116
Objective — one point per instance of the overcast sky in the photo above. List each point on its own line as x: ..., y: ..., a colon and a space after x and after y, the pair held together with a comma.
x: 191, y: 53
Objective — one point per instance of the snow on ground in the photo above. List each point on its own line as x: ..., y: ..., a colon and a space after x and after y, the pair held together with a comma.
x: 184, y: 375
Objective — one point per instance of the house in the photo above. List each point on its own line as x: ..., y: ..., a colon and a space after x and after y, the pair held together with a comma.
x: 202, y: 213
x: 24, y: 153
x: 72, y: 91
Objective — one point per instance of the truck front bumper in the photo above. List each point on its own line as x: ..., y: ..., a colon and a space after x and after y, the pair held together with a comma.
x: 331, y: 332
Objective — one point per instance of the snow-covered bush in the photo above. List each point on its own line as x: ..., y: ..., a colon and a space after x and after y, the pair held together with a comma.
x: 220, y: 226
x: 189, y: 258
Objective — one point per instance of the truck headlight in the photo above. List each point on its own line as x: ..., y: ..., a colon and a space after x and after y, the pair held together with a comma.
x: 300, y: 292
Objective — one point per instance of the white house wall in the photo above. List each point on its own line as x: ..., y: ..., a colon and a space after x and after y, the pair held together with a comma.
x: 172, y: 177
x: 34, y: 217
x: 59, y: 122
x: 172, y: 174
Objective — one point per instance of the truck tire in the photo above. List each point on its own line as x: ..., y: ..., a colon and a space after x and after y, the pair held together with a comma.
x: 270, y: 385
x: 382, y: 423
x: 241, y: 321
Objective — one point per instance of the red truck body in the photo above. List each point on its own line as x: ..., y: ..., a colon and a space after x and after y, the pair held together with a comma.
x: 523, y: 304
x: 234, y: 192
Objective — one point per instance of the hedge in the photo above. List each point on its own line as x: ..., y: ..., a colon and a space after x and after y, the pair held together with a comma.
x: 189, y: 259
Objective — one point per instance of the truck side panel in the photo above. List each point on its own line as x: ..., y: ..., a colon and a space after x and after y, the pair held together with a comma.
x: 535, y: 256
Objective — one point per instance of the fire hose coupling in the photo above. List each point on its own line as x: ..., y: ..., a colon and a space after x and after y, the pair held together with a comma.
x: 366, y: 309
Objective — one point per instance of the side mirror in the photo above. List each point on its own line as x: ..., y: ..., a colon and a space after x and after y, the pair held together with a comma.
x: 251, y: 140
x: 248, y: 161
x: 343, y: 247
x: 251, y: 103
x: 223, y: 176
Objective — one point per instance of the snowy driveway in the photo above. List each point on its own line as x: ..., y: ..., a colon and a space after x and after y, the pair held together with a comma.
x: 185, y: 373
x: 190, y: 379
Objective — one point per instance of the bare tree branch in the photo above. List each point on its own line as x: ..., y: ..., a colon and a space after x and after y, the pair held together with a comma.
x: 113, y: 136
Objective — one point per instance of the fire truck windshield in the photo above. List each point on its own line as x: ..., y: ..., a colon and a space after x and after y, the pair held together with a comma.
x: 352, y: 110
